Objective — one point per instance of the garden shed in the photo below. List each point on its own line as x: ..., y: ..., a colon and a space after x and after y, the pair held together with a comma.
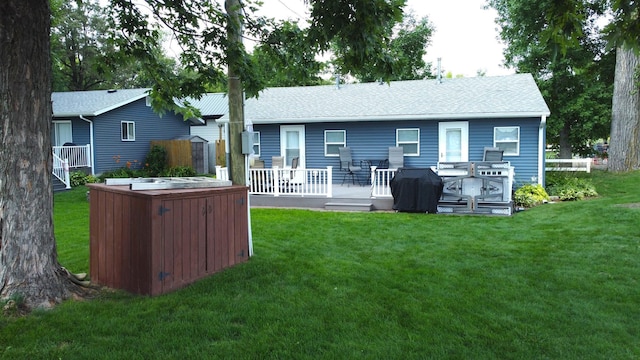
x: 187, y: 150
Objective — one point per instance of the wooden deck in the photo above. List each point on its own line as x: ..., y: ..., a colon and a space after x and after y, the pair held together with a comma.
x: 345, y: 198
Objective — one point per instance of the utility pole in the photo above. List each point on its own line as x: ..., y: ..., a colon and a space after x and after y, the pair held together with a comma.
x: 236, y: 98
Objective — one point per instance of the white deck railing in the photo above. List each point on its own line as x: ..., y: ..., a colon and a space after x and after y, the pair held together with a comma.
x: 569, y: 164
x: 77, y: 156
x: 61, y: 170
x: 222, y: 173
x: 380, y: 180
x: 300, y: 182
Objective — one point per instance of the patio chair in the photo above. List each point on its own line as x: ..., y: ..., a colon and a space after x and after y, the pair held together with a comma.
x: 492, y: 154
x: 347, y: 165
x: 396, y: 157
x: 277, y: 161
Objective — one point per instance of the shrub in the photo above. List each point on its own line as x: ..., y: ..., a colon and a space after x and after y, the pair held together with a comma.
x: 530, y: 195
x: 79, y: 178
x: 155, y: 163
x: 180, y: 171
x: 571, y: 188
x: 123, y: 172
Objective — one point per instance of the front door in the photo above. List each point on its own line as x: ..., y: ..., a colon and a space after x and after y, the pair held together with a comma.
x: 292, y: 145
x: 453, y: 141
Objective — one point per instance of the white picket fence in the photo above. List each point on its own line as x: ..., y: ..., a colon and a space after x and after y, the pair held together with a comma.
x: 569, y: 164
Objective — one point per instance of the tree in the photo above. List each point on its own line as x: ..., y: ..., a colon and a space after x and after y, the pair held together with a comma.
x: 406, y: 51
x: 624, y: 148
x: 623, y: 32
x: 84, y: 58
x: 28, y: 260
x: 569, y: 63
x: 286, y: 59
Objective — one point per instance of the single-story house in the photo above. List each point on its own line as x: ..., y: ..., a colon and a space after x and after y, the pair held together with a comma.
x: 439, y: 120
x: 115, y: 126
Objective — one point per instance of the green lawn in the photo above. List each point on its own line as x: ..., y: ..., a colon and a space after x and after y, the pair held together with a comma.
x: 560, y: 281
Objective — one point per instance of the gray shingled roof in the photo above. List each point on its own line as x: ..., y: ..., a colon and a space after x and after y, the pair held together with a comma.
x: 96, y: 102
x: 468, y: 98
x: 93, y: 103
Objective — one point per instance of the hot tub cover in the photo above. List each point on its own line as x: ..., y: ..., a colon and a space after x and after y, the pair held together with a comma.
x: 416, y: 190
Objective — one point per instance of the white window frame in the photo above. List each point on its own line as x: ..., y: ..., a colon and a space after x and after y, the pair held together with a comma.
x: 131, y: 131
x: 339, y: 144
x: 256, y: 143
x: 402, y: 143
x: 497, y: 142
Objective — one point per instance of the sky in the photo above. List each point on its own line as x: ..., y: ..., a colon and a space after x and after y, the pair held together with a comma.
x: 465, y: 37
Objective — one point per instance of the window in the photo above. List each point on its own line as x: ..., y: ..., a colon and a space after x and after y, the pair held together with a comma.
x: 333, y: 140
x: 128, y: 132
x: 507, y: 139
x: 409, y: 139
x: 256, y: 143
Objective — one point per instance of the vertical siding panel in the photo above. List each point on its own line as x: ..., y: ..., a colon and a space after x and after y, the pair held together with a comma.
x: 177, y: 216
x: 95, y: 233
x: 125, y: 248
x: 220, y: 220
x: 168, y: 237
x: 203, y: 221
x: 212, y: 260
x: 107, y: 248
x: 118, y: 240
x: 241, y: 232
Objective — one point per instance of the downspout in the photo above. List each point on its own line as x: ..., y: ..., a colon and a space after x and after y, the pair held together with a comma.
x: 93, y: 160
x: 542, y: 145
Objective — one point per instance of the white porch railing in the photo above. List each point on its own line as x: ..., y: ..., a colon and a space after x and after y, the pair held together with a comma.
x: 300, y: 182
x: 222, y: 173
x: 569, y: 164
x: 61, y: 170
x: 380, y: 180
x: 77, y: 156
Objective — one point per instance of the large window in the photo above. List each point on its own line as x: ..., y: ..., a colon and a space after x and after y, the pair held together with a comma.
x: 409, y: 139
x: 507, y: 138
x: 333, y: 141
x: 256, y: 143
x: 128, y: 132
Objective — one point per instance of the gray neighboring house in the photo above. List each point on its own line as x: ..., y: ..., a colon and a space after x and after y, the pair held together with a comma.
x: 117, y: 125
x: 434, y: 121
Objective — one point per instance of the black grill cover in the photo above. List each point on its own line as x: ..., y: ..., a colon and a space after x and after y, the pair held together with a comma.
x: 416, y: 190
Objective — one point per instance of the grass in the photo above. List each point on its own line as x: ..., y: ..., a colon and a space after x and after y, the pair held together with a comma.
x: 557, y: 281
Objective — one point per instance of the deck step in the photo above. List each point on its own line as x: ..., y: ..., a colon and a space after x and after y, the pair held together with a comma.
x: 348, y: 206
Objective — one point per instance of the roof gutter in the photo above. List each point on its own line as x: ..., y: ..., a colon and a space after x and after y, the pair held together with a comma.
x: 397, y: 118
x: 93, y: 163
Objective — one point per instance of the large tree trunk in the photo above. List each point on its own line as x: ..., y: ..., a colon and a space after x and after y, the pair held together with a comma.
x: 624, y: 147
x: 29, y: 269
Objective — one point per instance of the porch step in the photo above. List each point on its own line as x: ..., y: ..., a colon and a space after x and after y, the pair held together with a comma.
x: 58, y: 185
x: 349, y: 206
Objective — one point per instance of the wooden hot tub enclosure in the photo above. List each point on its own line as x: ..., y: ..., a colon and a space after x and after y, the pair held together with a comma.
x: 154, y: 241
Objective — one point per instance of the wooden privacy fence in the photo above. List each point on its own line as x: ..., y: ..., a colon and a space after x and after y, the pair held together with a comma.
x: 178, y: 151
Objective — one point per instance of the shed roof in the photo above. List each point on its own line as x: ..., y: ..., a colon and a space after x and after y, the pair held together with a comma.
x: 459, y: 98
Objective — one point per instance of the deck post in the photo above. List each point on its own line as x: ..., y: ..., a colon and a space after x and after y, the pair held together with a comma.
x: 329, y: 181
x: 67, y: 179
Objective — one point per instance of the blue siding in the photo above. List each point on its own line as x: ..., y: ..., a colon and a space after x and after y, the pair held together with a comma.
x: 370, y: 140
x: 109, y: 147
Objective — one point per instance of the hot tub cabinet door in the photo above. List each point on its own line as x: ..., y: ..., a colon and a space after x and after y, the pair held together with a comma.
x: 199, y: 237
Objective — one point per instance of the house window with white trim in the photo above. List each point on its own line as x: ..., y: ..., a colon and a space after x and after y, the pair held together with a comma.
x: 333, y: 141
x: 256, y: 143
x: 507, y: 138
x: 409, y: 140
x: 128, y: 130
